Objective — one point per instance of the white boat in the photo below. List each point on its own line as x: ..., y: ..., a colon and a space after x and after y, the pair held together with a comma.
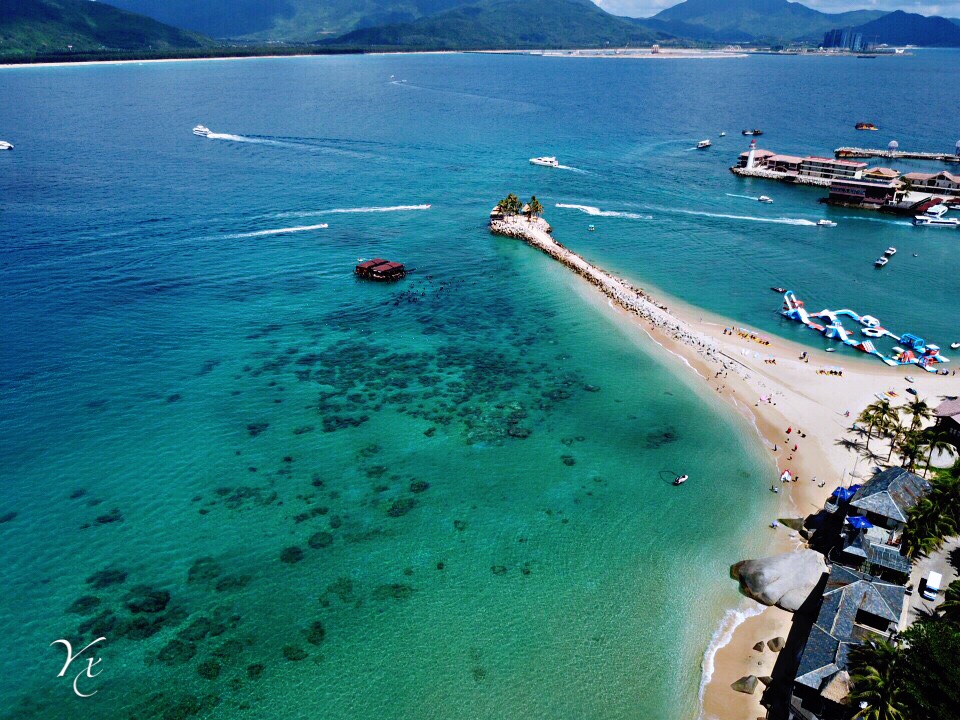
x: 681, y: 480
x: 765, y: 199
x: 955, y: 346
x: 935, y: 216
x: 890, y: 251
x: 881, y: 261
x: 4, y: 145
x: 201, y: 131
x: 722, y: 134
x: 545, y: 161
x: 703, y: 144
x: 826, y: 223
x: 591, y: 228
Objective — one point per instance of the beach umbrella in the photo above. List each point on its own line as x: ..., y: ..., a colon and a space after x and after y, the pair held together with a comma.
x: 859, y: 522
x: 843, y: 494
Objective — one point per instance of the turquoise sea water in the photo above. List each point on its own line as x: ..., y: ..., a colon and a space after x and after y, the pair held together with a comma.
x: 449, y: 496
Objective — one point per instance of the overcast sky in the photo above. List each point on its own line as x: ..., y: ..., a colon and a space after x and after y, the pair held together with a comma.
x: 948, y: 8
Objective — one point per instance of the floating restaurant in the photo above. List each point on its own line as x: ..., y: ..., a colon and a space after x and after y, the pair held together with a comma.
x: 380, y: 269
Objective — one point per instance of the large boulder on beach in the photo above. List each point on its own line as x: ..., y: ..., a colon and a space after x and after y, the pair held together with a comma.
x: 747, y: 684
x: 784, y: 580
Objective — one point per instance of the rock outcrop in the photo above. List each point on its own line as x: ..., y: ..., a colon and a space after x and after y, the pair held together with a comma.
x: 784, y: 580
x: 747, y: 684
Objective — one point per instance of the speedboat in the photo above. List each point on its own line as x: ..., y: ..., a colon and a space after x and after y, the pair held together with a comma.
x: 201, y: 131
x: 765, y: 199
x: 881, y: 261
x: 826, y: 223
x: 935, y: 216
x: 779, y: 289
x: 890, y: 251
x: 752, y: 132
x: 955, y: 346
x: 591, y: 228
x: 681, y: 480
x: 545, y: 161
x: 703, y: 144
x: 4, y: 145
x: 722, y: 134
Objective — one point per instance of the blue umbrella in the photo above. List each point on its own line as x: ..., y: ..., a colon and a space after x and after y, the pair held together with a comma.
x: 859, y: 522
x: 843, y: 494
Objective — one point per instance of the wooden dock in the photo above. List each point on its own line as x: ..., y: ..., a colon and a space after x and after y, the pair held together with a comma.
x: 853, y: 152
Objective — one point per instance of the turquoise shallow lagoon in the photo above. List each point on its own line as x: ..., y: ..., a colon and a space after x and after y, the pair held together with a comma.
x: 279, y: 492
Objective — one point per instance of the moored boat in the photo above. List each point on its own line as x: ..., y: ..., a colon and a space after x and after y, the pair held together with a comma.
x: 751, y: 132
x: 865, y: 126
x: 934, y: 216
x: 890, y: 251
x: 881, y: 261
x: 681, y: 480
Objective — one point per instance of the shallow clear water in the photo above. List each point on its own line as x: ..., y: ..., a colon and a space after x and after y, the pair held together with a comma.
x: 479, y: 454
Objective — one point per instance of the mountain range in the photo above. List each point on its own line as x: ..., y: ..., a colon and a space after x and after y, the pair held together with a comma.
x: 43, y: 26
x: 28, y: 27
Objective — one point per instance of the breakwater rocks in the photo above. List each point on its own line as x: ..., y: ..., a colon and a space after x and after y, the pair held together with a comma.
x: 632, y: 299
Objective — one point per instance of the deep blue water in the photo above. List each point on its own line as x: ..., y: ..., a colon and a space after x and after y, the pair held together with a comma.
x: 475, y: 462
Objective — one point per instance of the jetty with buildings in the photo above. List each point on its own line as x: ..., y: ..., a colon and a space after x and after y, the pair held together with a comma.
x: 853, y: 183
x: 893, y: 152
x: 380, y: 270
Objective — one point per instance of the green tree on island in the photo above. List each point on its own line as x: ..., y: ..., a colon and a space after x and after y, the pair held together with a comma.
x: 535, y: 207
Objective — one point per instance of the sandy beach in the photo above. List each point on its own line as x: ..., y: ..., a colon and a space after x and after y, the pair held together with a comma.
x: 765, y: 380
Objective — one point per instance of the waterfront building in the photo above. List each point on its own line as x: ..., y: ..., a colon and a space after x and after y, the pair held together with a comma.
x: 886, y: 498
x: 754, y: 158
x: 942, y: 182
x: 856, y: 607
x: 948, y: 422
x: 843, y: 39
x: 863, y: 192
x: 881, y: 174
x: 831, y: 168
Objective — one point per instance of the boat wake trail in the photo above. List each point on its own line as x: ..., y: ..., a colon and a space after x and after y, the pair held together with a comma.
x: 244, y: 139
x: 597, y: 212
x: 745, y: 197
x: 572, y: 169
x: 278, y: 231
x: 878, y: 220
x: 748, y: 218
x: 351, y: 211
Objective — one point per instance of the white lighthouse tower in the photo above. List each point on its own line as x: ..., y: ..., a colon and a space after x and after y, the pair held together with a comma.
x: 751, y: 154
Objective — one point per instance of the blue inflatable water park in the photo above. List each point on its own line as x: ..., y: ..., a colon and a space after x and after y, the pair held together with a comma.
x: 910, y: 350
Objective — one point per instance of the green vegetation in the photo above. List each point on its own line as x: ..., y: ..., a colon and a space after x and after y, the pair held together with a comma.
x: 936, y: 516
x: 509, y: 24
x: 902, y: 28
x: 916, y: 675
x: 32, y: 27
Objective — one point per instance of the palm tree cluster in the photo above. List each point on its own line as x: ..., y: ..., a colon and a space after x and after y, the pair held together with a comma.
x: 935, y: 516
x: 911, y: 440
x: 512, y: 205
x: 914, y: 675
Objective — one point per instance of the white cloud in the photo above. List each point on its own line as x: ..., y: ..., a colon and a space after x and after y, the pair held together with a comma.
x: 646, y: 8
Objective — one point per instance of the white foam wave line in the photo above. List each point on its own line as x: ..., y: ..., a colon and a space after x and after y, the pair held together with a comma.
x: 749, y: 218
x: 597, y: 212
x: 902, y: 223
x: 732, y: 619
x: 279, y: 231
x: 350, y: 211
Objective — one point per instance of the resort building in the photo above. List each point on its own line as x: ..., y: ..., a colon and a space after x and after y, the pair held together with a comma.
x: 856, y: 607
x: 867, y: 193
x: 942, y: 182
x: 873, y: 529
x: 800, y: 167
x: 948, y: 422
x: 380, y: 269
x: 881, y: 174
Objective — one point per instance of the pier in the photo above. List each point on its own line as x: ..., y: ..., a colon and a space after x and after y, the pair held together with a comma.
x: 854, y: 152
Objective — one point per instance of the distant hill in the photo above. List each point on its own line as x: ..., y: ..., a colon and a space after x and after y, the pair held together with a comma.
x: 508, y: 24
x: 29, y: 27
x: 287, y: 20
x: 745, y: 20
x: 902, y: 28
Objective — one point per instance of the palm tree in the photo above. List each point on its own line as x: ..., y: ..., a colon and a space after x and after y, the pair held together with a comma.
x: 937, y: 444
x: 897, y: 429
x: 950, y: 607
x: 929, y: 522
x: 874, y: 673
x: 535, y: 207
x: 870, y: 416
x: 919, y: 411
